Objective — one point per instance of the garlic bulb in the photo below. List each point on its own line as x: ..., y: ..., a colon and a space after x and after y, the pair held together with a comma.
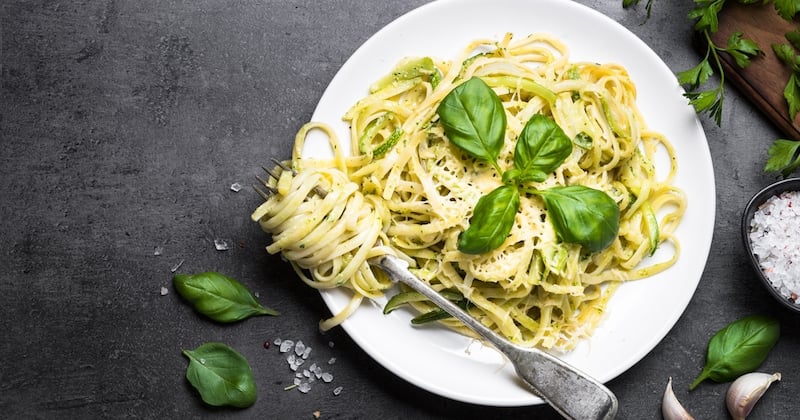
x: 744, y: 392
x: 671, y: 408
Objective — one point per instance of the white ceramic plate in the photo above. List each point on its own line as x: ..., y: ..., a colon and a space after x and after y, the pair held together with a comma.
x: 642, y: 312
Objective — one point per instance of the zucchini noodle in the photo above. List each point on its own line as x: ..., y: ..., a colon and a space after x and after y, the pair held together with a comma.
x: 406, y: 190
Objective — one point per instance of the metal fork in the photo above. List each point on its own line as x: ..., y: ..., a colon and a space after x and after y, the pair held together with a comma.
x: 574, y: 394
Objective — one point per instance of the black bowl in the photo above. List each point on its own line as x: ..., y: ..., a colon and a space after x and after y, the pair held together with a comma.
x: 791, y: 184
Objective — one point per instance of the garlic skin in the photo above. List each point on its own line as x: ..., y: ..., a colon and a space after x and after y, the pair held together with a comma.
x: 671, y: 408
x: 744, y: 392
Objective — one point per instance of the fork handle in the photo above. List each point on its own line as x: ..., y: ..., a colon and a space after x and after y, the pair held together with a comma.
x: 572, y: 393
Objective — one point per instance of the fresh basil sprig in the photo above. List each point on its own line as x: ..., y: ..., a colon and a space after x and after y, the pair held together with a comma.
x: 219, y: 297
x: 474, y: 121
x: 541, y: 148
x: 739, y: 348
x: 492, y: 220
x: 221, y: 375
x: 582, y: 215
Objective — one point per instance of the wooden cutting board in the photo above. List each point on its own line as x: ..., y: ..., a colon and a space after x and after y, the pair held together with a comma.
x: 764, y: 79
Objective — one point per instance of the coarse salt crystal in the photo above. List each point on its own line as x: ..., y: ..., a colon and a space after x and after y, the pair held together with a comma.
x: 236, y: 187
x: 775, y: 240
x: 327, y: 377
x: 286, y: 345
x: 337, y: 390
x: 304, y: 387
x: 176, y: 266
x: 158, y: 250
x: 221, y: 245
x: 299, y: 348
x: 164, y: 291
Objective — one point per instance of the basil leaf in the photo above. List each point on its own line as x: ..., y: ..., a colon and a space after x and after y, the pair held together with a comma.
x: 474, y: 119
x: 739, y: 348
x: 491, y: 221
x: 582, y: 215
x: 541, y: 148
x: 219, y: 297
x: 221, y: 375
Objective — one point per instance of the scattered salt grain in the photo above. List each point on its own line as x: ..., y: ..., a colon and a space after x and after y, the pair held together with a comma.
x: 304, y: 387
x: 775, y: 240
x: 164, y: 291
x: 236, y: 187
x: 277, y: 342
x: 337, y: 390
x: 221, y: 245
x: 306, y: 353
x: 327, y: 377
x: 158, y: 250
x: 298, y: 381
x: 332, y: 360
x: 286, y: 345
x: 299, y: 348
x: 176, y: 266
x: 330, y: 344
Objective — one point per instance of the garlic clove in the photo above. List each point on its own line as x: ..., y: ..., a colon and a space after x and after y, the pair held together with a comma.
x: 671, y: 408
x: 744, y: 392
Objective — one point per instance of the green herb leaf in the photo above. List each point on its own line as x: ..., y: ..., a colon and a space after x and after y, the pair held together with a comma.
x: 786, y: 53
x: 696, y: 75
x: 706, y: 14
x: 791, y: 92
x: 221, y: 375
x: 784, y: 157
x: 742, y: 49
x: 541, y: 148
x: 794, y: 38
x: 474, y: 119
x: 491, y: 221
x: 219, y: 297
x: 709, y: 101
x: 582, y: 215
x: 787, y: 8
x: 739, y: 348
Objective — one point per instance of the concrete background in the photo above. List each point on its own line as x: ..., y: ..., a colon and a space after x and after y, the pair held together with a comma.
x: 123, y: 125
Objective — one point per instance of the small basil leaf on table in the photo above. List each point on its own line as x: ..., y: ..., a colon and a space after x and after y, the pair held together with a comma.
x: 541, y: 148
x: 474, y: 119
x: 739, y: 348
x: 491, y: 221
x: 582, y: 215
x: 219, y: 297
x: 221, y: 375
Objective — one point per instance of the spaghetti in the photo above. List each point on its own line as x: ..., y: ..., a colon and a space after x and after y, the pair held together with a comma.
x: 408, y: 191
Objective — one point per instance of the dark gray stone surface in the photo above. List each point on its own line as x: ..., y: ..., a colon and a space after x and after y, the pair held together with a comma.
x: 123, y: 124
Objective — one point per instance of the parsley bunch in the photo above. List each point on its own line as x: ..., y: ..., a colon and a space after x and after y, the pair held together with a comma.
x: 784, y: 155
